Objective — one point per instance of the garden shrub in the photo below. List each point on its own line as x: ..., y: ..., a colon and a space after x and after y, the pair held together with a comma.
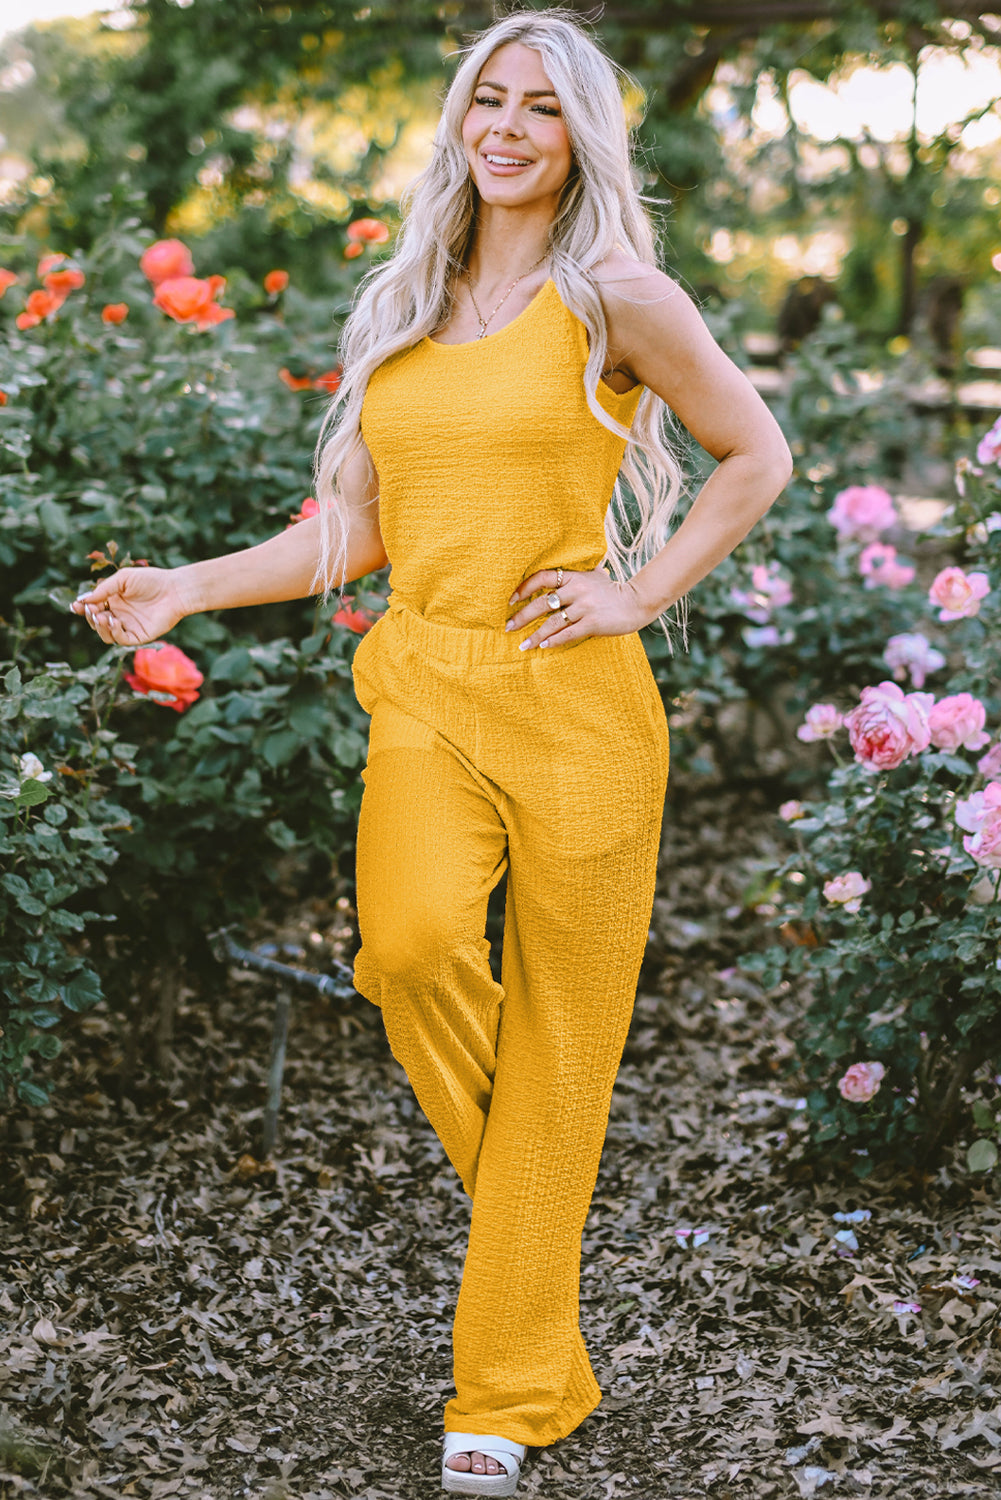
x: 889, y: 903
x: 179, y: 778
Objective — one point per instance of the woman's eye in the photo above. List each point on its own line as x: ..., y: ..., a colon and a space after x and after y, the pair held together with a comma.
x: 544, y: 109
x: 483, y: 99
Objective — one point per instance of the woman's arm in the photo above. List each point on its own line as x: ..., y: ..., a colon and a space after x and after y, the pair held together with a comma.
x: 656, y: 335
x: 136, y: 605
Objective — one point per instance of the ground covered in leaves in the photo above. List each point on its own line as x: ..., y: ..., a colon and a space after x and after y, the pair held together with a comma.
x: 179, y: 1318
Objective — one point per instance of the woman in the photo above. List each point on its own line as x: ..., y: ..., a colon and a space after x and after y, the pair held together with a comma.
x: 519, y: 345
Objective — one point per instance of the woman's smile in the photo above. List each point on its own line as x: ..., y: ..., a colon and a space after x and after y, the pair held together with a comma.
x: 514, y: 129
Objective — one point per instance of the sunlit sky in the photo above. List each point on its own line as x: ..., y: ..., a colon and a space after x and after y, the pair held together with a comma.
x: 875, y: 101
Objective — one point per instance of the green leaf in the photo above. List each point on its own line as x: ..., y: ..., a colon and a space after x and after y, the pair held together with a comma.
x: 278, y: 749
x: 33, y: 793
x: 82, y: 991
x: 32, y: 1093
x: 982, y: 1156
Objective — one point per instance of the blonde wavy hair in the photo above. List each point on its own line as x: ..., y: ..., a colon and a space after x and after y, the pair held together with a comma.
x: 408, y: 296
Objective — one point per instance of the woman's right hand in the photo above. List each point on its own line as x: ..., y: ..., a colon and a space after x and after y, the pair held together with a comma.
x: 133, y: 606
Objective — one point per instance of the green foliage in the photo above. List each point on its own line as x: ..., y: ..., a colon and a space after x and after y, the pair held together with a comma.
x: 161, y: 442
x: 57, y: 841
x: 912, y: 978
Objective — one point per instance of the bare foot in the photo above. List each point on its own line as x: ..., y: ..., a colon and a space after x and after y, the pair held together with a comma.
x: 478, y: 1463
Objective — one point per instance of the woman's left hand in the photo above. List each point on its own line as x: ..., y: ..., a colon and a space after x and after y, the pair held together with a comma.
x: 589, y: 604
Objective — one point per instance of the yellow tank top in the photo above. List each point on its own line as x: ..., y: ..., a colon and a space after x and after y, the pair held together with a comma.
x: 490, y: 462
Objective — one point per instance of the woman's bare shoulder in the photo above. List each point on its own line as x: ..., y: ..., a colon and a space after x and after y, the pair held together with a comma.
x: 630, y: 288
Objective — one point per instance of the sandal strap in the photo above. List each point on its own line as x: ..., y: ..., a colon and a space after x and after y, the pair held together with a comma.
x: 483, y: 1442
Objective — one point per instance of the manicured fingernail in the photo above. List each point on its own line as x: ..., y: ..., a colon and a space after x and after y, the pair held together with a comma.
x: 513, y: 599
x: 509, y: 625
x: 524, y: 645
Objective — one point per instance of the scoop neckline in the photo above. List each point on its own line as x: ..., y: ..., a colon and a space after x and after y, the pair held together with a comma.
x: 603, y: 386
x: 472, y: 343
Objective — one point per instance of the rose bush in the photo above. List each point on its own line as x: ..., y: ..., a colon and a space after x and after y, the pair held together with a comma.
x: 889, y: 905
x: 131, y: 434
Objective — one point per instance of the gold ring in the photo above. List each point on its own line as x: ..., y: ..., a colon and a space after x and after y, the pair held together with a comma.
x: 554, y: 601
x: 559, y: 578
x: 566, y: 617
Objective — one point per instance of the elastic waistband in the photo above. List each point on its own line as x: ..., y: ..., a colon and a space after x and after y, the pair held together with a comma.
x: 448, y: 640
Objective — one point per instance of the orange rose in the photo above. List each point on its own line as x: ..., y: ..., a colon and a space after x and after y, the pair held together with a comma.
x: 115, y: 312
x: 310, y: 507
x: 48, y: 263
x: 7, y: 278
x: 295, y: 382
x: 61, y: 283
x: 275, y: 282
x: 329, y: 381
x: 3, y: 398
x: 165, y: 261
x: 353, y: 248
x: 188, y: 299
x: 166, y: 669
x: 38, y: 306
x: 354, y: 619
x: 371, y: 231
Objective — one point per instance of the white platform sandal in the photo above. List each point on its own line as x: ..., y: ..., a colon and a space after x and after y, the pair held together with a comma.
x: 465, y: 1482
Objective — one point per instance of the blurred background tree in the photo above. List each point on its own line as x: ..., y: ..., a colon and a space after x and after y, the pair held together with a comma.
x: 857, y: 144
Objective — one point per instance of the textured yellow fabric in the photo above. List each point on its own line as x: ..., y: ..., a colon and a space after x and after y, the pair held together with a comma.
x: 491, y: 464
x: 551, y: 764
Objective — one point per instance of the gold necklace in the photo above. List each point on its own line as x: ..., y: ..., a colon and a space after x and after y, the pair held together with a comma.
x: 483, y: 321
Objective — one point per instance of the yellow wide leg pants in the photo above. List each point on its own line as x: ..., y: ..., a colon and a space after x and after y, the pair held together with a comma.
x: 553, y: 765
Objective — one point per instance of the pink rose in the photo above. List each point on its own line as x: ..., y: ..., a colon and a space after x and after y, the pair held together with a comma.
x: 166, y: 260
x: 990, y: 764
x: 792, y: 811
x: 972, y: 812
x: 878, y: 565
x: 985, y: 845
x: 861, y: 1082
x: 822, y: 721
x: 847, y: 890
x: 768, y: 591
x: 862, y: 511
x: 888, y: 726
x: 957, y: 594
x: 989, y: 447
x: 912, y: 653
x: 958, y: 721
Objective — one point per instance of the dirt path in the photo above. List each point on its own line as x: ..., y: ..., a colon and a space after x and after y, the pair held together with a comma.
x: 177, y: 1319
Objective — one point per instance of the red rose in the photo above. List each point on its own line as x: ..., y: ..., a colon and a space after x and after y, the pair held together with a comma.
x: 38, y: 306
x: 354, y: 619
x: 310, y: 507
x: 61, y: 283
x: 166, y: 260
x: 115, y: 312
x: 371, y: 231
x: 295, y: 382
x: 329, y: 381
x: 3, y: 398
x: 166, y: 669
x: 189, y: 299
x: 275, y: 282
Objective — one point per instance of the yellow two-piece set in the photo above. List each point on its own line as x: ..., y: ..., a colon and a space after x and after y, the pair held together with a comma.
x: 551, y: 763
